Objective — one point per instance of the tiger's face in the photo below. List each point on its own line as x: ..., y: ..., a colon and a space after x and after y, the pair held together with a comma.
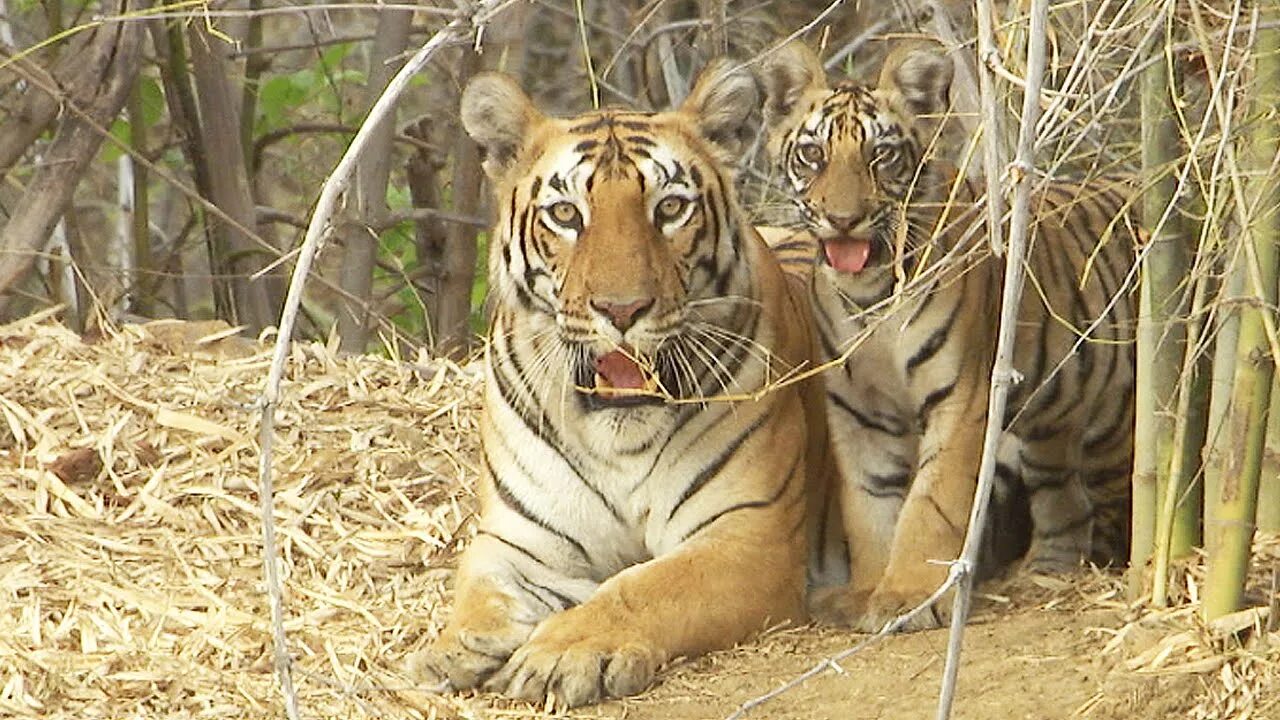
x: 855, y: 156
x: 616, y: 233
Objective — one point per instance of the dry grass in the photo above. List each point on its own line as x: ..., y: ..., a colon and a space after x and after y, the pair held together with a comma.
x: 1237, y: 656
x: 130, y: 557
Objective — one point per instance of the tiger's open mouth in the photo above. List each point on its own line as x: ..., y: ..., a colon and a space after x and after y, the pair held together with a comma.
x: 620, y: 379
x: 853, y: 253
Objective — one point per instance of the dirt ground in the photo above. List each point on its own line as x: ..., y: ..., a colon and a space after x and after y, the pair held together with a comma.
x: 131, y: 563
x: 1025, y: 658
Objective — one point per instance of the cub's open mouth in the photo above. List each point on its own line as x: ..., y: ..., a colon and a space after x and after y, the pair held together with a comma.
x: 619, y: 380
x: 852, y: 254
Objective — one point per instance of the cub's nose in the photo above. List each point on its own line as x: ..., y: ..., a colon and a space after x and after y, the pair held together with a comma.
x: 623, y: 313
x: 844, y: 223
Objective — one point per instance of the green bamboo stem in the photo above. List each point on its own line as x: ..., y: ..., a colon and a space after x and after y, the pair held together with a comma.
x: 1160, y: 334
x: 1177, y: 526
x: 1217, y: 445
x: 1234, y: 516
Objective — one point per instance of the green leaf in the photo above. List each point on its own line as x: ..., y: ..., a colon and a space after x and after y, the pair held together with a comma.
x: 121, y: 130
x: 152, y: 99
x: 277, y: 97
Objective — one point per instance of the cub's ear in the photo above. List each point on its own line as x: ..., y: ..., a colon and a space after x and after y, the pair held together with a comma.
x: 919, y: 73
x: 498, y: 116
x: 787, y: 74
x: 721, y: 102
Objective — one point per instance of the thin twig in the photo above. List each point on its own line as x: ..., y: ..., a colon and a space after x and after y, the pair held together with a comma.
x: 312, y: 243
x: 1002, y: 374
x: 833, y: 662
x: 992, y: 129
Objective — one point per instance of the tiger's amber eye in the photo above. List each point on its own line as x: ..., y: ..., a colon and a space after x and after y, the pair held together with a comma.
x: 810, y: 153
x: 669, y: 208
x: 566, y: 214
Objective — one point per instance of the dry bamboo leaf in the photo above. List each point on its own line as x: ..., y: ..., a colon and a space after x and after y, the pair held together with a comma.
x: 53, y: 485
x: 192, y: 423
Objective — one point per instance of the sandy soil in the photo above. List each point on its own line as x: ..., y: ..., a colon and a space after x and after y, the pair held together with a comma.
x: 1033, y: 655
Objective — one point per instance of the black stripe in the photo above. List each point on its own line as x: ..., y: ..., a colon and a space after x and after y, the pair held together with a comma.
x: 786, y: 482
x: 523, y: 551
x: 932, y: 344
x: 533, y: 589
x: 716, y: 465
x: 938, y: 509
x: 896, y: 480
x: 509, y: 499
x: 1036, y: 482
x: 1029, y: 465
x: 886, y: 492
x: 539, y: 423
x: 880, y: 425
x: 932, y: 399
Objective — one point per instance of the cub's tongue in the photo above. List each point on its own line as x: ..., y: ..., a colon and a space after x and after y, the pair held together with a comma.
x: 847, y: 254
x: 619, y: 371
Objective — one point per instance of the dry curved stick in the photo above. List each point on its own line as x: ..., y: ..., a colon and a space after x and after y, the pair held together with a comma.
x: 312, y: 243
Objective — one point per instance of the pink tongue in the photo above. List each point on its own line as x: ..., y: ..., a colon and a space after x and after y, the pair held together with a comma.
x: 847, y: 254
x: 619, y: 371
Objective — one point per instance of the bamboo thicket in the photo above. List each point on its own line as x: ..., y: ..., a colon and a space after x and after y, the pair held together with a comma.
x: 1234, y: 508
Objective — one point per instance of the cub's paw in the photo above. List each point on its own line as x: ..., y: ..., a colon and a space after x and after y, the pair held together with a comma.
x: 885, y: 605
x: 579, y: 665
x: 1049, y: 561
x: 840, y: 605
x: 464, y: 658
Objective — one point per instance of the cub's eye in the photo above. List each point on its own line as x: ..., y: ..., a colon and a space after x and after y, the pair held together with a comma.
x: 565, y: 214
x: 670, y: 208
x: 810, y: 153
x: 886, y: 157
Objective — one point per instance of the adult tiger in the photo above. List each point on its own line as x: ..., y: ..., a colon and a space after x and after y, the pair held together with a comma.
x: 631, y: 509
x: 906, y: 293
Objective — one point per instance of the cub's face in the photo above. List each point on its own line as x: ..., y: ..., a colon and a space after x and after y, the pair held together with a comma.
x: 854, y: 155
x: 616, y: 230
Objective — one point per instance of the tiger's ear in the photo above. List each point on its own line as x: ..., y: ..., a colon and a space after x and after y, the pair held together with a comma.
x: 787, y: 74
x: 721, y: 102
x: 498, y: 116
x: 918, y: 74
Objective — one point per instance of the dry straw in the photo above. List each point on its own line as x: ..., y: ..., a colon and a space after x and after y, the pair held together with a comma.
x: 130, y: 555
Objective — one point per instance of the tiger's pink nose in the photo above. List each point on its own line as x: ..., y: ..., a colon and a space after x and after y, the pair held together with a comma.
x: 622, y: 314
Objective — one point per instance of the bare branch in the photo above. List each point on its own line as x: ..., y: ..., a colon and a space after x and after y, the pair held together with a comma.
x: 312, y: 243
x: 115, y: 55
x: 1003, y: 374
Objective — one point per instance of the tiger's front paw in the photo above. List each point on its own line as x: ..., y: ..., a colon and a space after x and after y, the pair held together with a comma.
x: 840, y: 605
x: 885, y: 605
x: 465, y: 658
x: 578, y: 663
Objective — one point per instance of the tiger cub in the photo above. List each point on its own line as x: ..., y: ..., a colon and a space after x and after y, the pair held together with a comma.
x: 644, y: 495
x: 906, y: 298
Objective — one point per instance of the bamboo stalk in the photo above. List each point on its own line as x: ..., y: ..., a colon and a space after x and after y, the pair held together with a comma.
x: 1160, y: 334
x: 1192, y: 421
x: 1002, y: 374
x: 1176, y: 527
x: 1237, y: 499
x: 1217, y: 445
